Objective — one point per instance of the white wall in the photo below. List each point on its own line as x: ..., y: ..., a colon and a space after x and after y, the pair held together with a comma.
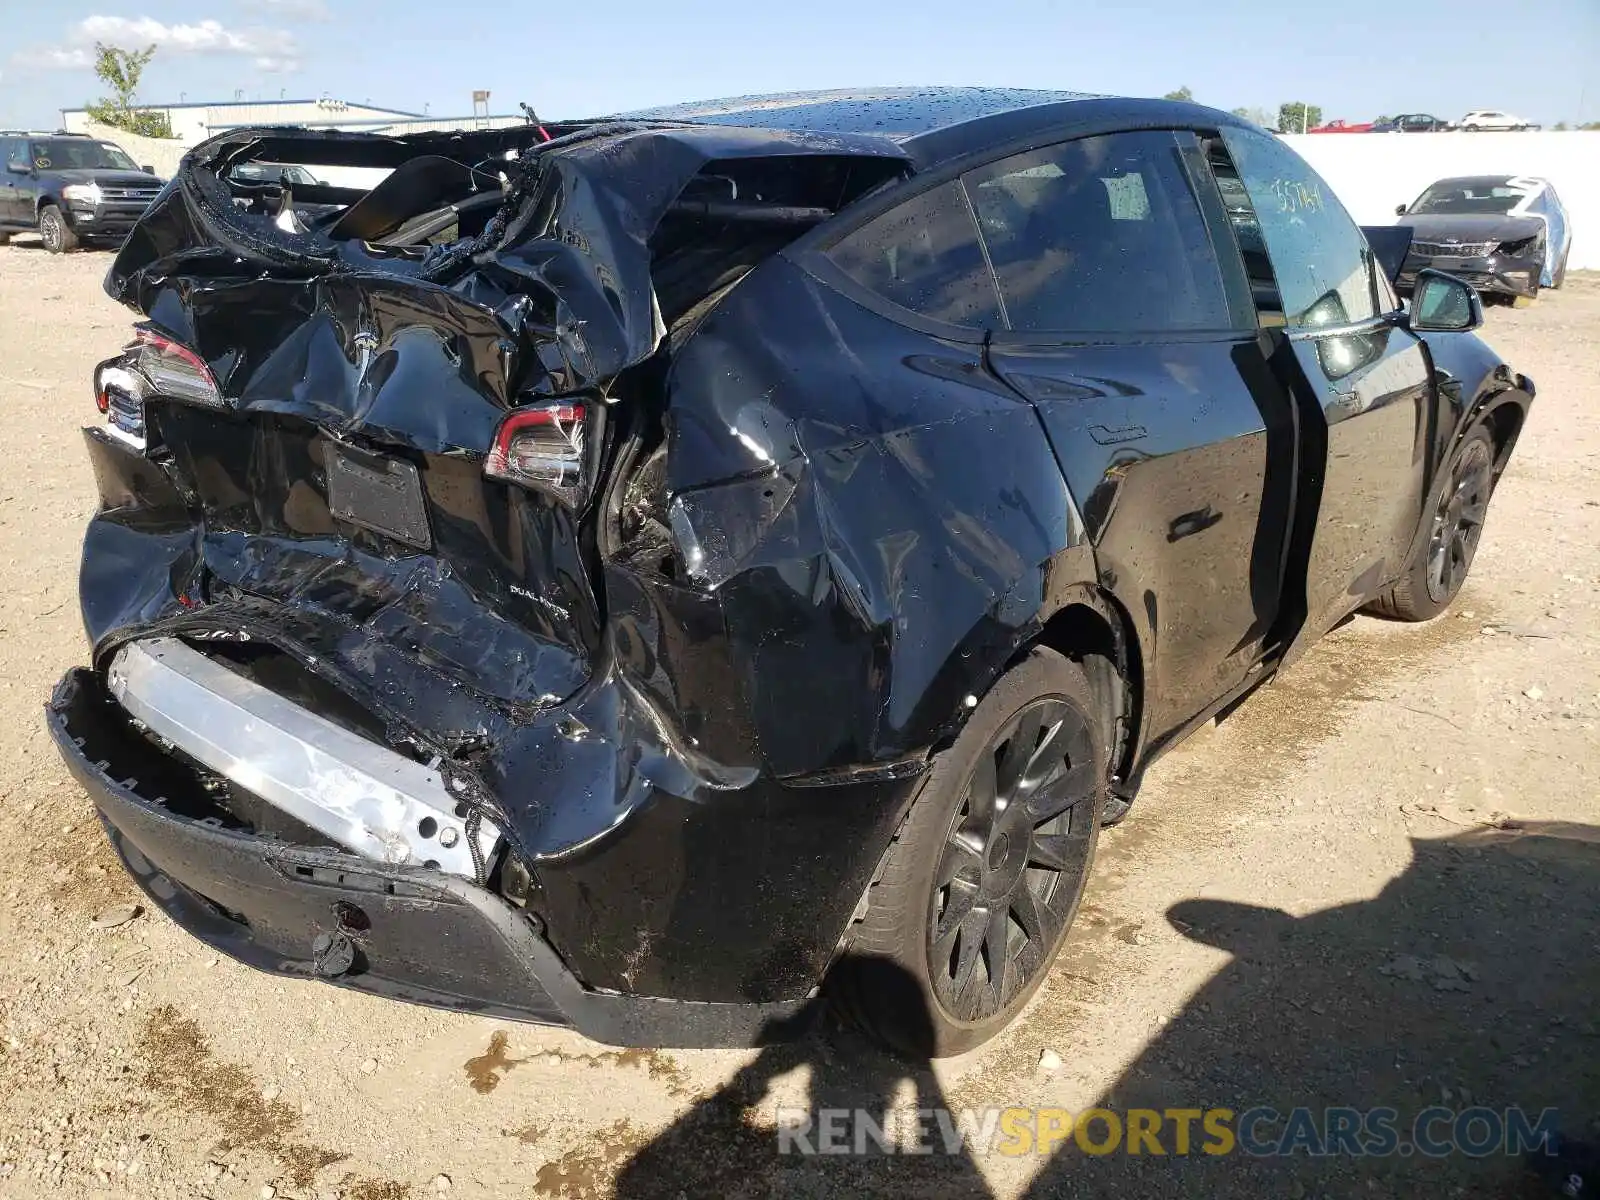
x: 1373, y: 172
x: 161, y: 153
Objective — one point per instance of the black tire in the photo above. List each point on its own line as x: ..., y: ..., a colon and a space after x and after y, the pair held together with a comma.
x: 972, y: 880
x: 1560, y: 275
x: 1460, y: 507
x: 54, y: 231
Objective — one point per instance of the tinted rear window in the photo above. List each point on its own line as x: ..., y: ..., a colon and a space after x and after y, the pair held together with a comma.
x: 924, y: 256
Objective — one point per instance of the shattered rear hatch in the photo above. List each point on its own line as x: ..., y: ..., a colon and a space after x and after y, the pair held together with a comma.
x: 365, y: 363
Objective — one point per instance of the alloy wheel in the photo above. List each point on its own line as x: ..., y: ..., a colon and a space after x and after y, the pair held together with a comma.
x: 1458, y: 521
x: 1014, y: 861
x: 50, y: 230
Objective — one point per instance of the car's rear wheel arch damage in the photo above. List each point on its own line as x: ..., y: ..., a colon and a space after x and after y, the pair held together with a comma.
x: 1091, y: 628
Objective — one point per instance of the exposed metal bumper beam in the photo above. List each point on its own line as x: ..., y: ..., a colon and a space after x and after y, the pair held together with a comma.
x: 365, y: 797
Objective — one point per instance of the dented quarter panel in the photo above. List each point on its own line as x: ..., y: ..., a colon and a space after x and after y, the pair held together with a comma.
x: 911, y: 556
x: 924, y: 531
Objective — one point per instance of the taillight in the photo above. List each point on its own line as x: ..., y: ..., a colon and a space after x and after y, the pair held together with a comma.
x: 544, y: 446
x: 174, y: 370
x: 119, y: 393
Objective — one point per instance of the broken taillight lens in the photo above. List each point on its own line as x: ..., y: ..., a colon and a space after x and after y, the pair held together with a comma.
x: 119, y: 393
x: 174, y: 370
x: 544, y: 447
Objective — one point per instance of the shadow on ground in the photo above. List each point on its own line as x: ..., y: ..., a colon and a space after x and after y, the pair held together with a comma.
x: 1471, y: 980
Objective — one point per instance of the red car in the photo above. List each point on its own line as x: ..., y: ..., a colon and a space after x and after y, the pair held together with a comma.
x: 1342, y: 127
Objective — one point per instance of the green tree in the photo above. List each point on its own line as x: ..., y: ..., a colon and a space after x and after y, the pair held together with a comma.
x: 120, y: 70
x: 1183, y: 93
x: 1256, y: 116
x: 1296, y: 116
x: 1559, y: 125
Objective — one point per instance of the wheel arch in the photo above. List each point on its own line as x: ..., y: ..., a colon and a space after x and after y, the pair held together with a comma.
x: 1504, y: 415
x: 1085, y: 620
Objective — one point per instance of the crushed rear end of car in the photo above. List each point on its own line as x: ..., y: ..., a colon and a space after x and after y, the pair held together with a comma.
x: 413, y: 661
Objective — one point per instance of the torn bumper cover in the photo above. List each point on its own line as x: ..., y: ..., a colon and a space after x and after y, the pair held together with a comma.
x: 1497, y: 273
x: 371, y: 800
x: 404, y: 932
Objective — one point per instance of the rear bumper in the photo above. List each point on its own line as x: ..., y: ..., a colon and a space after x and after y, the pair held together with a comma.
x: 1500, y: 274
x: 406, y: 933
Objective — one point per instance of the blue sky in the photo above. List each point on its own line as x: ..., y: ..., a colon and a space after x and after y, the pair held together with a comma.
x: 1536, y: 58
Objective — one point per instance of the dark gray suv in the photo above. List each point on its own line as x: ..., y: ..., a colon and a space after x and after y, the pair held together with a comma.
x: 71, y: 189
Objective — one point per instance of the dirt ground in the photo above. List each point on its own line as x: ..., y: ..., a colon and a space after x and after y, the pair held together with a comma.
x: 1376, y: 883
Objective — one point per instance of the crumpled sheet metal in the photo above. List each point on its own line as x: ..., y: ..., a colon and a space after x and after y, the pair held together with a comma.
x: 576, y: 297
x: 873, y: 557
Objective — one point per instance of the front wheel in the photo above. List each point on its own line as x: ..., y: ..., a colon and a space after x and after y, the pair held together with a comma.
x: 1436, y: 575
x: 54, y: 231
x: 984, y: 878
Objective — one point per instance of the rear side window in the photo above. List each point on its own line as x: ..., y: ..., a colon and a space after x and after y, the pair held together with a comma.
x: 924, y: 256
x: 1319, y: 255
x: 1099, y: 235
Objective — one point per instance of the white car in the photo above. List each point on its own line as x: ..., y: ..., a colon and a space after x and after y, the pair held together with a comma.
x: 1492, y: 118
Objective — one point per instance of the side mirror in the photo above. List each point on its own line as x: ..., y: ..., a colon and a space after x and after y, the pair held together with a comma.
x: 1444, y: 304
x: 148, y: 169
x: 1399, y: 210
x: 19, y: 166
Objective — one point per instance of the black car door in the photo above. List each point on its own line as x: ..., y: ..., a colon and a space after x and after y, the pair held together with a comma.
x: 1141, y: 354
x: 1365, y: 381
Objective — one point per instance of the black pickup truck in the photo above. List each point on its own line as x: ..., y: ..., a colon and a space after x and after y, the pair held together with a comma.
x: 71, y: 189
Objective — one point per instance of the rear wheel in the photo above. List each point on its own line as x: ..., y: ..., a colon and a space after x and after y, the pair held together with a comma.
x: 984, y: 878
x: 1560, y: 276
x: 54, y: 231
x: 1462, y: 504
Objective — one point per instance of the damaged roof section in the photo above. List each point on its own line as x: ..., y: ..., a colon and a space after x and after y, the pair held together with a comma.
x: 585, y: 247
